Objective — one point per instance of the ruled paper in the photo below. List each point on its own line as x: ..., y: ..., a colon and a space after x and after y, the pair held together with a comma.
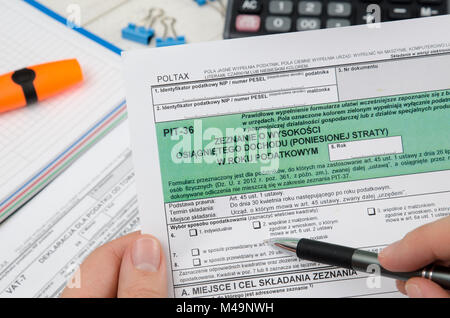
x: 32, y: 137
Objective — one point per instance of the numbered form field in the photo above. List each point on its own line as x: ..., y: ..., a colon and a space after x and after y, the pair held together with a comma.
x: 365, y: 148
x: 239, y: 94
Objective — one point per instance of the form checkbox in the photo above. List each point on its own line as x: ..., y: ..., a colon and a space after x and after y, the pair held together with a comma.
x: 193, y: 232
x: 196, y: 262
x: 256, y: 225
x: 371, y: 211
x: 195, y: 252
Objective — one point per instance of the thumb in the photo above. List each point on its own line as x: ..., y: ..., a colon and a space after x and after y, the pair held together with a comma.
x: 143, y: 270
x: 418, y: 287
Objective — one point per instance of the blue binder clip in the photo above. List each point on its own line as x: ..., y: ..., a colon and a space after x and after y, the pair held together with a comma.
x: 166, y: 40
x: 201, y: 2
x: 138, y: 34
x: 219, y: 5
x: 160, y: 42
x: 142, y: 33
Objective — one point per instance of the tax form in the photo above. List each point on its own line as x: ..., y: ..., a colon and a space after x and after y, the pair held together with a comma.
x: 340, y: 135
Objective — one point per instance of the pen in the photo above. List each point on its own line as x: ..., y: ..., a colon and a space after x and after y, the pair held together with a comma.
x: 356, y: 259
x: 29, y: 85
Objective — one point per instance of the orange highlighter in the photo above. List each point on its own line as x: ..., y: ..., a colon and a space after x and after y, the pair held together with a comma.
x: 34, y: 84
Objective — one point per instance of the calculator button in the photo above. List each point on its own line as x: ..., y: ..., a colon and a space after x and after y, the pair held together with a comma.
x: 278, y: 24
x: 248, y: 23
x: 336, y: 23
x: 396, y: 13
x: 430, y: 1
x: 309, y: 7
x: 400, y: 1
x: 304, y: 24
x: 250, y: 6
x: 428, y: 11
x: 281, y: 7
x: 339, y: 9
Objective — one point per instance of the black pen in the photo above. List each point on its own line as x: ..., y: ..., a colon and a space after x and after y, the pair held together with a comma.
x: 356, y: 259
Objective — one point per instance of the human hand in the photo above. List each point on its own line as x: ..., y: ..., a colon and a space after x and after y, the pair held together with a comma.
x: 131, y: 266
x: 425, y: 245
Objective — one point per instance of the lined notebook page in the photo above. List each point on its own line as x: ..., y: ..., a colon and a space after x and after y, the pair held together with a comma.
x: 31, y: 137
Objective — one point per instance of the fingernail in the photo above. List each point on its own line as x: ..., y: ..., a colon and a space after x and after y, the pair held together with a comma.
x: 146, y: 254
x: 413, y: 291
x: 389, y: 250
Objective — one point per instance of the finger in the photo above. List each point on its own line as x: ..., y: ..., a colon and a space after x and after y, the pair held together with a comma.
x: 143, y: 270
x: 401, y: 286
x: 418, y: 287
x: 100, y: 270
x: 418, y: 248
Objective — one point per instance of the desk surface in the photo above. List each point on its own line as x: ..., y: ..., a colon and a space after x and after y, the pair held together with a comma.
x: 107, y: 18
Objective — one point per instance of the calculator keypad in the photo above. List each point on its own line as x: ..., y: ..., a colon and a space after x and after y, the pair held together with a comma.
x: 258, y: 17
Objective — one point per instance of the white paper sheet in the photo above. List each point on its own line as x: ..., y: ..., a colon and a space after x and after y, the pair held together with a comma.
x: 338, y: 135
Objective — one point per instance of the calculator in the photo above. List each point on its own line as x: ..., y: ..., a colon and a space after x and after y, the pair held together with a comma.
x: 259, y: 17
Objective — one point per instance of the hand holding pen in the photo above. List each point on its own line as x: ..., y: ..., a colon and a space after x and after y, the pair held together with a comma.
x: 427, y: 244
x: 419, y: 261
